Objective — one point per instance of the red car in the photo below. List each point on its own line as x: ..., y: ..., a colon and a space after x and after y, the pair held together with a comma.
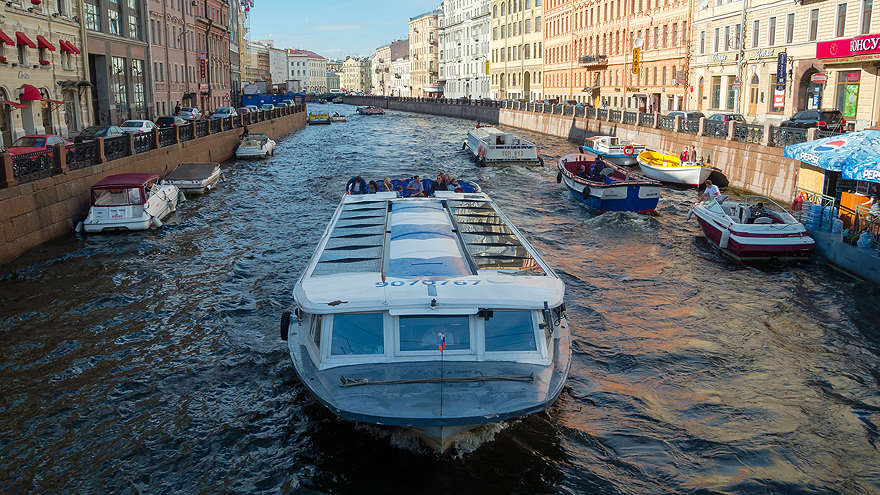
x: 41, y: 142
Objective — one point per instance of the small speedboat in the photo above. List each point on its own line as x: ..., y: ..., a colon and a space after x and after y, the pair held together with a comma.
x: 492, y: 146
x: 195, y: 178
x: 339, y: 118
x: 611, y: 189
x: 132, y: 201
x: 338, y: 99
x: 432, y: 315
x: 669, y: 168
x: 319, y: 118
x: 255, y: 144
x: 370, y: 110
x: 613, y: 149
x: 754, y: 229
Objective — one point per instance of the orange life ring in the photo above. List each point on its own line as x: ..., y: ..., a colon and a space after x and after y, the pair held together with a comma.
x: 798, y: 203
x: 628, y: 150
x: 482, y: 152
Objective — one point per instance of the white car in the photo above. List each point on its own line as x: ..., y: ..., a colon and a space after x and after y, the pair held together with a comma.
x: 267, y: 106
x: 223, y: 112
x: 190, y: 113
x: 138, y: 126
x: 252, y: 108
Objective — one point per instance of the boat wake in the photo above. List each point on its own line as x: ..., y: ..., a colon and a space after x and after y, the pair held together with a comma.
x: 623, y: 220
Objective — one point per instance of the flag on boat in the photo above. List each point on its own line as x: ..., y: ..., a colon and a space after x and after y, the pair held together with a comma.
x: 442, y: 342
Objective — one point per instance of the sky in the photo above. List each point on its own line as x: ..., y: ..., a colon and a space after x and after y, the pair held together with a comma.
x: 335, y: 28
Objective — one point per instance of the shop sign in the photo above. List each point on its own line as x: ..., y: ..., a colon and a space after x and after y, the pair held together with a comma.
x: 860, y: 45
x: 717, y: 57
x: 851, y: 77
x: 819, y: 78
x: 203, y: 86
x: 759, y: 54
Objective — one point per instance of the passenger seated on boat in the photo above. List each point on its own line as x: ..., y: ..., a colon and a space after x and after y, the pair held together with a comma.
x: 415, y: 187
x: 373, y: 187
x: 356, y: 185
x: 386, y: 185
x: 596, y: 172
x: 440, y: 184
x: 582, y: 172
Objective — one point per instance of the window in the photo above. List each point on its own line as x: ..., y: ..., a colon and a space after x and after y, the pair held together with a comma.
x: 134, y: 21
x: 138, y: 87
x: 675, y: 34
x: 771, y: 32
x: 357, y: 334
x: 113, y: 17
x: 510, y: 331
x: 663, y: 80
x: 731, y: 93
x: 789, y: 28
x: 93, y: 15
x: 537, y: 19
x: 702, y: 42
x: 422, y: 333
x: 118, y: 85
x: 717, y: 40
x: 726, y: 38
x: 840, y: 24
x: 814, y: 25
x: 756, y: 32
x: 22, y: 55
x: 684, y: 35
x: 716, y: 92
x: 737, y: 35
x: 503, y: 29
x: 528, y: 26
x: 665, y: 35
x: 656, y: 38
x: 867, y: 9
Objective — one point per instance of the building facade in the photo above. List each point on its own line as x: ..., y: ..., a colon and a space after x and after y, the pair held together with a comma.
x: 172, y: 38
x: 309, y: 69
x: 44, y: 86
x: 516, y: 49
x: 400, y: 81
x: 236, y: 21
x: 356, y: 74
x: 257, y: 65
x: 424, y: 56
x: 212, y: 47
x: 464, y: 48
x: 380, y: 71
x: 334, y: 80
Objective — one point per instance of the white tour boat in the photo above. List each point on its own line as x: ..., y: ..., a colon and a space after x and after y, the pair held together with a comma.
x: 666, y: 167
x: 492, y: 146
x: 195, y: 178
x: 131, y: 201
x: 255, y: 144
x: 430, y: 314
x: 614, y: 149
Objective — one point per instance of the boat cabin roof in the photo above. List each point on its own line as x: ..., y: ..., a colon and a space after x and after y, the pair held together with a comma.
x: 611, y: 140
x: 132, y: 179
x: 190, y: 171
x: 385, y: 253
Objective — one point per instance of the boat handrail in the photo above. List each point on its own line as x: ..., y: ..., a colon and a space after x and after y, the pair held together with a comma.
x: 511, y: 146
x: 354, y: 382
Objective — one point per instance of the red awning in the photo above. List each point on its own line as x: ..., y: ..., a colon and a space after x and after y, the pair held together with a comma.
x: 43, y: 43
x: 131, y: 179
x: 12, y: 104
x: 6, y: 39
x: 30, y: 93
x: 67, y: 46
x: 54, y: 101
x: 24, y: 40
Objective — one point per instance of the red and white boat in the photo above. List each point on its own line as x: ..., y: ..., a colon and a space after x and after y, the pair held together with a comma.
x: 754, y: 229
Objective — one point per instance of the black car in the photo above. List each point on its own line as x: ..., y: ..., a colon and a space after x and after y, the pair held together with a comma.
x: 96, y: 131
x: 825, y: 120
x: 686, y: 116
x: 170, y: 121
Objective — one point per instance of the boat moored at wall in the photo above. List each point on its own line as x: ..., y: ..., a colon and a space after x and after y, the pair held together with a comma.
x: 194, y: 178
x: 370, y: 110
x: 132, y: 201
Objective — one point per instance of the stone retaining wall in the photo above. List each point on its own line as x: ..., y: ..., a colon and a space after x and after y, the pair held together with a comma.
x: 36, y: 212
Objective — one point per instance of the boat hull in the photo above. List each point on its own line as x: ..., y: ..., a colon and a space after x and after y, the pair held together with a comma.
x: 196, y: 186
x: 621, y: 197
x: 756, y: 243
x: 691, y: 175
x: 487, y: 154
x: 133, y: 217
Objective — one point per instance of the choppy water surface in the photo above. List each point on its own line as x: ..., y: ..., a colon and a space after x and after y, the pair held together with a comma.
x: 151, y: 363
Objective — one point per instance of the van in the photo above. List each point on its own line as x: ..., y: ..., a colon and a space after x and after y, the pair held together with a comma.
x: 337, y: 92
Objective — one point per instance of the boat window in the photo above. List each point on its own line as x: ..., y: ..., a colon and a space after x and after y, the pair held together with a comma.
x: 542, y: 323
x: 422, y: 333
x: 357, y: 334
x: 510, y: 331
x: 715, y: 207
x: 315, y: 330
x: 117, y: 197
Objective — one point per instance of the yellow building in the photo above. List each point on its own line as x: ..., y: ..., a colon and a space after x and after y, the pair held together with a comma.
x: 517, y: 48
x: 423, y: 54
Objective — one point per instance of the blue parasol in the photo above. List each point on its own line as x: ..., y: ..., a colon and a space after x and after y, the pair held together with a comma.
x: 855, y: 155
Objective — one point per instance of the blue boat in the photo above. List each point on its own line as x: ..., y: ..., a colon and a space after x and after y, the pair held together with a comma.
x: 613, y: 149
x: 610, y: 189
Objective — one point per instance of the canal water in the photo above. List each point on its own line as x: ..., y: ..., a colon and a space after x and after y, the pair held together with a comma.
x: 151, y: 362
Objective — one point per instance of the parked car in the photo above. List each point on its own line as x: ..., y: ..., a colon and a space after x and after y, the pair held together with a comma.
x: 223, y: 112
x: 96, y: 131
x: 551, y: 101
x: 284, y: 103
x: 573, y: 103
x: 825, y: 120
x: 252, y: 108
x: 243, y: 110
x: 267, y: 106
x: 170, y: 120
x: 37, y: 142
x: 190, y: 113
x: 685, y: 116
x: 138, y: 126
x: 727, y: 117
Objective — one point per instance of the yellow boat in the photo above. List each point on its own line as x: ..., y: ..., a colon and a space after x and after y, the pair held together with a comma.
x: 668, y: 168
x: 319, y: 118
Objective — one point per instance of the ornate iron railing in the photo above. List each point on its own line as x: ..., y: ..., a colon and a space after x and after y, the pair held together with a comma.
x: 28, y: 167
x: 748, y: 133
x: 602, y: 114
x: 646, y: 119
x: 215, y: 126
x: 530, y: 107
x: 567, y: 110
x: 166, y: 136
x: 691, y: 126
x: 143, y: 142
x: 186, y: 132
x: 116, y: 147
x: 236, y: 120
x: 630, y: 118
x: 81, y: 155
x: 667, y: 123
x: 201, y: 128
x: 557, y: 109
x: 579, y: 111
x: 715, y: 128
x: 825, y: 134
x: 614, y: 115
x: 783, y: 136
x: 591, y: 113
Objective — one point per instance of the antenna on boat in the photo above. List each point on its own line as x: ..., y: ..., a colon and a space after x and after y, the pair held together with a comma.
x: 442, y: 339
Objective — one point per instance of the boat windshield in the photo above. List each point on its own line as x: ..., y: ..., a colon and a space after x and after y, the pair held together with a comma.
x: 510, y: 331
x: 117, y: 196
x: 423, y: 333
x: 357, y: 334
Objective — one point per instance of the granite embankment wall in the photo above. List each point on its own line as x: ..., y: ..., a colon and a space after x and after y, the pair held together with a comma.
x: 39, y: 211
x: 754, y: 168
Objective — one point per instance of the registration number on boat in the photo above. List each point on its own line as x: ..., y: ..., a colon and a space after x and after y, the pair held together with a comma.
x: 513, y: 153
x: 401, y: 283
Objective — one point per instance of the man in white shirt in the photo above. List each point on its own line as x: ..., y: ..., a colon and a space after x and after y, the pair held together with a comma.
x: 711, y: 191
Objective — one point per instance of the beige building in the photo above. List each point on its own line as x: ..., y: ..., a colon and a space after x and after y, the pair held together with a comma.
x: 44, y: 86
x: 424, y: 56
x: 815, y: 38
x: 380, y: 71
x: 356, y: 74
x: 256, y: 67
x: 517, y: 49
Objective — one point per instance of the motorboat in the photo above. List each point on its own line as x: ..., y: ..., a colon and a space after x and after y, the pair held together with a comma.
x: 613, y: 149
x: 131, y: 201
x: 753, y: 229
x: 492, y: 146
x: 255, y: 144
x: 195, y: 178
x: 339, y: 118
x: 432, y: 315
x: 370, y: 110
x: 319, y: 118
x: 669, y: 168
x: 338, y: 99
x: 607, y: 187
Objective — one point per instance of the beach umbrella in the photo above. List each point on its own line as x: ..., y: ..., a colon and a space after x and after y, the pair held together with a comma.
x: 855, y: 155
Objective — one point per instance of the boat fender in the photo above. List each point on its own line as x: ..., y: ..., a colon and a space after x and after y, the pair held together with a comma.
x: 481, y: 162
x: 79, y: 227
x: 797, y: 204
x: 725, y: 239
x: 628, y: 150
x: 463, y: 145
x: 690, y: 212
x: 559, y: 177
x: 156, y: 222
x: 482, y: 152
x: 285, y: 325
x: 541, y: 161
x: 586, y: 192
x: 171, y: 206
x: 581, y: 150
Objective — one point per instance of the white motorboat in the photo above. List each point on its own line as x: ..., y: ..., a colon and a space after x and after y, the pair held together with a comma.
x: 255, y: 144
x: 131, y: 201
x: 430, y: 314
x: 614, y: 149
x: 492, y: 146
x: 370, y: 110
x: 195, y: 178
x: 669, y: 168
x: 754, y: 229
x: 339, y: 118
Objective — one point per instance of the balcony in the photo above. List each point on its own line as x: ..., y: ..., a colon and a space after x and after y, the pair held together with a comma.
x: 593, y: 61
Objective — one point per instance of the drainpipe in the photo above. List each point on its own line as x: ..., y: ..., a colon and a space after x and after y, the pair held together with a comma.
x: 149, y: 63
x: 85, y: 64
